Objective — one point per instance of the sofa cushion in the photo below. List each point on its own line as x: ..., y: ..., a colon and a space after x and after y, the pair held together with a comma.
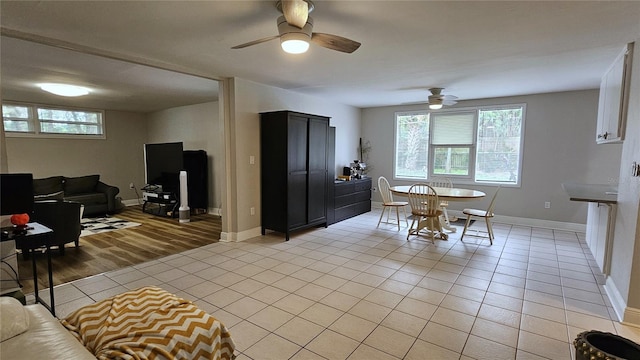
x: 50, y: 185
x: 14, y: 319
x: 88, y: 198
x: 81, y: 184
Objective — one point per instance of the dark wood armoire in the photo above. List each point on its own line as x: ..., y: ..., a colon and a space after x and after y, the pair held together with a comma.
x: 294, y: 170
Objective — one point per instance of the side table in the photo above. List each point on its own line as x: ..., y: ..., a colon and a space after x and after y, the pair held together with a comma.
x: 38, y: 236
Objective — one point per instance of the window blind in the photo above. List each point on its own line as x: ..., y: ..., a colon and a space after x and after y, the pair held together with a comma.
x: 453, y: 128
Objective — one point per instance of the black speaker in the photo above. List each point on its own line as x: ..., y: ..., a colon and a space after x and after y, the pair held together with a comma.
x: 195, y: 164
x: 346, y: 171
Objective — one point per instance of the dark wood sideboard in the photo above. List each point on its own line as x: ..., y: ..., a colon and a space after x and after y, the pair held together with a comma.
x: 351, y: 198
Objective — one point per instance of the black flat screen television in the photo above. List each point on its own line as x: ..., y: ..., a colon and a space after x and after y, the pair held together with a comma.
x: 16, y: 194
x: 163, y: 163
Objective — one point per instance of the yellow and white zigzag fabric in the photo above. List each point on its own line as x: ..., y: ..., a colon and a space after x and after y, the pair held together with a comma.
x: 149, y: 323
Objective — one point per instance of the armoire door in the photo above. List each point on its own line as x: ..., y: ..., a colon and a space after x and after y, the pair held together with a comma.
x: 297, y: 167
x: 317, y: 193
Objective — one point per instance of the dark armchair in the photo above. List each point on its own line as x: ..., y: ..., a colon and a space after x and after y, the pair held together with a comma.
x: 63, y: 217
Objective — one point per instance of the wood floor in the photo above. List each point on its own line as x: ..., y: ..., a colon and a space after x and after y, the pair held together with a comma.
x: 99, y: 253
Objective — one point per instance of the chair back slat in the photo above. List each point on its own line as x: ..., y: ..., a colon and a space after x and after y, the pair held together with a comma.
x: 441, y: 181
x: 493, y: 202
x: 423, y: 200
x: 385, y: 192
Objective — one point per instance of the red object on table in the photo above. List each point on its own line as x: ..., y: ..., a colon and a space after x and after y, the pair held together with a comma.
x: 20, y: 219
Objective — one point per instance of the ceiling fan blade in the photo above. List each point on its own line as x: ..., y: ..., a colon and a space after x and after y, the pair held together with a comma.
x: 335, y: 42
x: 449, y: 102
x: 255, y: 42
x: 296, y: 12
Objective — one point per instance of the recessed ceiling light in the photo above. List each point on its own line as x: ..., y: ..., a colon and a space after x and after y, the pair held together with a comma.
x: 65, y: 89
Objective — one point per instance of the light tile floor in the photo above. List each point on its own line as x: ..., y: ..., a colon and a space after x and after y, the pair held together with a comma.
x: 352, y: 291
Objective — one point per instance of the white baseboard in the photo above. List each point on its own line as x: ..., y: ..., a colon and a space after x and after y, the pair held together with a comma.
x: 549, y: 224
x: 626, y: 315
x: 240, y: 236
x: 617, y: 300
x: 132, y: 202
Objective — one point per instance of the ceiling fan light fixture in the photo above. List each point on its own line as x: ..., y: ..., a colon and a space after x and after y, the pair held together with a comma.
x: 64, y: 89
x: 435, y: 103
x: 294, y: 43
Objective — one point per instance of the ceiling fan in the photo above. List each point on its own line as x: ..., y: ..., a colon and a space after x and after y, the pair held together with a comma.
x: 295, y: 29
x: 437, y: 99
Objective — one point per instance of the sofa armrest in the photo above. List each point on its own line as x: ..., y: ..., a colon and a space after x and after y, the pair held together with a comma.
x: 46, y: 338
x: 111, y: 192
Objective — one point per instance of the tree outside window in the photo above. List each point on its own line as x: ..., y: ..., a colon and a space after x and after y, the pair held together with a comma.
x: 412, y: 144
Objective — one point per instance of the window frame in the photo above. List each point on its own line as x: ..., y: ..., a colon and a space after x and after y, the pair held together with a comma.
x: 472, y: 147
x: 34, y: 122
x: 395, y: 141
x: 469, y: 179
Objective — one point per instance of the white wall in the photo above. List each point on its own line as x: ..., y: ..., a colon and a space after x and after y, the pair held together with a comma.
x: 249, y: 100
x: 199, y: 127
x: 118, y: 159
x: 622, y: 285
x: 559, y: 146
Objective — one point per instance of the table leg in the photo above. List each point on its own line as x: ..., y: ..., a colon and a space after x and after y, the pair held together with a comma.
x: 447, y: 226
x: 444, y: 221
x: 35, y: 274
x: 50, y: 270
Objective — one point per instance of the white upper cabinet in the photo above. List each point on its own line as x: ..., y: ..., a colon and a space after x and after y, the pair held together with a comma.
x: 614, y: 99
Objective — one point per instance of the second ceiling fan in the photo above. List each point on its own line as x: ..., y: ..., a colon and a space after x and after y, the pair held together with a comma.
x: 295, y: 28
x: 437, y: 99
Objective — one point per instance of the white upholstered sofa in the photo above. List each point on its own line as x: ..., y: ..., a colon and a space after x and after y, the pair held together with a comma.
x: 31, y: 332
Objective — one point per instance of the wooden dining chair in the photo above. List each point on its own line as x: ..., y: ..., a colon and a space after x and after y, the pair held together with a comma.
x: 485, y: 214
x: 443, y: 182
x: 388, y: 203
x: 425, y: 208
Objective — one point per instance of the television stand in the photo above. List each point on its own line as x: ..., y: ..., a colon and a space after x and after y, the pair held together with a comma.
x: 160, y: 203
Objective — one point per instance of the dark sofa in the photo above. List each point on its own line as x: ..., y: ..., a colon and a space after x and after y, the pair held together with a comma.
x: 97, y: 197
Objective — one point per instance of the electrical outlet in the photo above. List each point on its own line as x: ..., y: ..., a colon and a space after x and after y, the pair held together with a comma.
x: 547, y: 204
x: 131, y: 186
x: 252, y: 211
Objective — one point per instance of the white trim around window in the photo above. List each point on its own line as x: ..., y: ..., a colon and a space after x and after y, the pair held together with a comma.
x: 47, y: 121
x: 471, y: 145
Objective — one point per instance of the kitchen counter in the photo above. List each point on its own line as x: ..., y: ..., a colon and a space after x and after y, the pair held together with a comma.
x: 600, y: 193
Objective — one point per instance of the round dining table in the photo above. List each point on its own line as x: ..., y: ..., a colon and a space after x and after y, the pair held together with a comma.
x: 444, y: 193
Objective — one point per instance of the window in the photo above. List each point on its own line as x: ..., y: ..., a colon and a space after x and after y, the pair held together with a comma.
x: 43, y: 121
x: 412, y: 138
x: 482, y: 145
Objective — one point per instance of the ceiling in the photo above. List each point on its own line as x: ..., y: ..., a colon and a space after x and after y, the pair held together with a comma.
x: 474, y: 49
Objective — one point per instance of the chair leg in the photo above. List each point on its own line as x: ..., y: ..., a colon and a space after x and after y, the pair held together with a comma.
x: 404, y: 211
x: 61, y: 247
x: 398, y: 217
x: 432, y: 224
x: 381, y: 214
x: 489, y: 230
x: 466, y: 225
x: 413, y: 221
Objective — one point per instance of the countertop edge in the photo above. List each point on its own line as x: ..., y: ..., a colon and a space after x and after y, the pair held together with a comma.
x: 590, y: 193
